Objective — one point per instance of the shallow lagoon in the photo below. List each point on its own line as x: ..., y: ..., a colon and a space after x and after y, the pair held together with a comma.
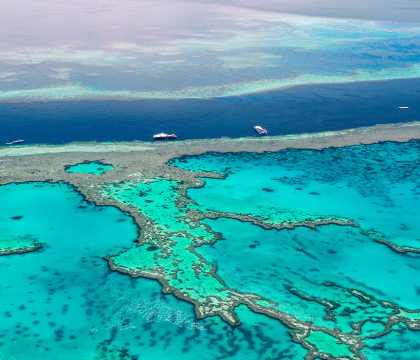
x: 69, y: 299
x: 63, y: 302
x: 89, y: 167
x: 375, y: 185
x: 281, y: 264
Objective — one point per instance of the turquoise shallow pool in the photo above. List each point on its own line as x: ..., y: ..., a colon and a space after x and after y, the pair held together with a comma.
x: 62, y: 302
x: 89, y: 167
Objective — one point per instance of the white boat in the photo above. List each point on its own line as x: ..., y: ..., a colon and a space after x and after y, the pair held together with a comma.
x: 164, y: 136
x: 403, y: 107
x: 15, y: 142
x: 260, y: 130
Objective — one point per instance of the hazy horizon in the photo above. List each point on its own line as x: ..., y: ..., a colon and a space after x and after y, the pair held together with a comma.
x: 131, y: 49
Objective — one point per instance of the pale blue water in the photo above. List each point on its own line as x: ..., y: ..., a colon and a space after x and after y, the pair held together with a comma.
x: 62, y: 302
x: 133, y: 50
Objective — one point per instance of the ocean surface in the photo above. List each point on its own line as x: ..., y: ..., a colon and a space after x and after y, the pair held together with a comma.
x: 327, y: 238
x: 63, y: 302
x: 296, y: 110
x: 203, y: 69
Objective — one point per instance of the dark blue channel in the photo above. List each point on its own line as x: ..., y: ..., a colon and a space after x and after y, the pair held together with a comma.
x: 296, y: 110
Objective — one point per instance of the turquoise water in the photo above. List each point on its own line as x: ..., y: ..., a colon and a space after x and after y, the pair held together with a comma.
x: 377, y: 185
x: 89, y: 167
x: 62, y: 302
x: 402, y: 344
x: 312, y: 273
x: 277, y: 263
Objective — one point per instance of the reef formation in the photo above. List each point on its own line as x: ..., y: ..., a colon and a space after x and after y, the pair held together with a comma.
x: 186, y: 205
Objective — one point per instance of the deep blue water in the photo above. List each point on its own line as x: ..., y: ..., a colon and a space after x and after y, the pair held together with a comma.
x: 296, y: 110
